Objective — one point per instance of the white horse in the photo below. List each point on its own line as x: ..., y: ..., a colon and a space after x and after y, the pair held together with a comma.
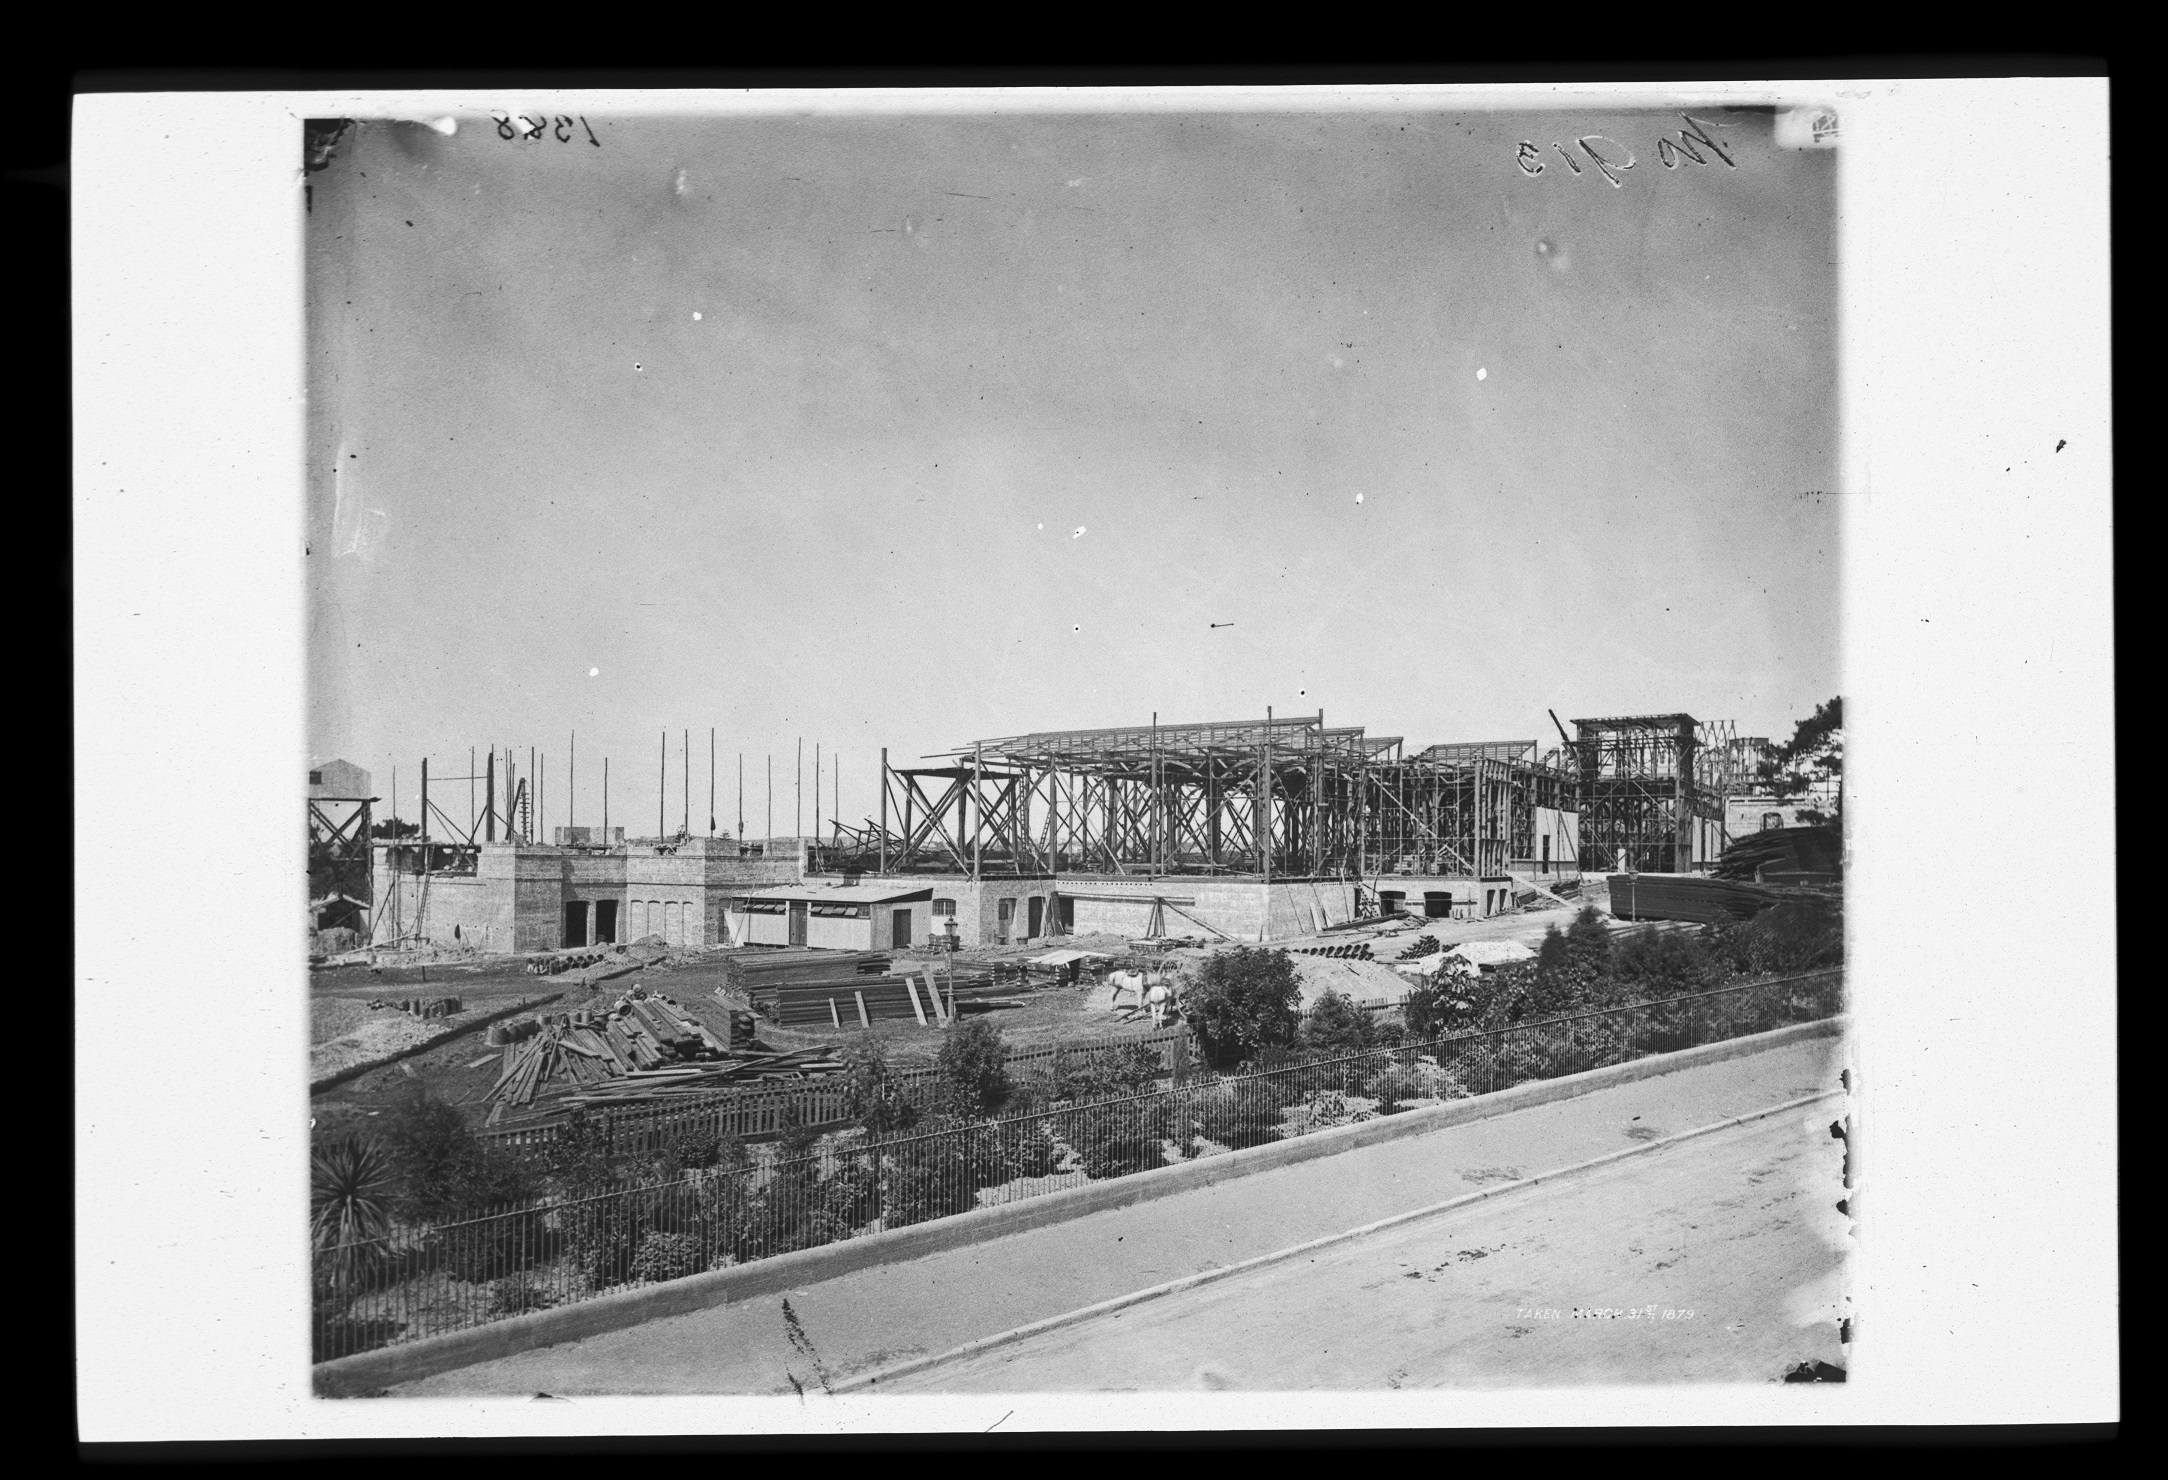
x: 1160, y: 998
x: 1154, y: 989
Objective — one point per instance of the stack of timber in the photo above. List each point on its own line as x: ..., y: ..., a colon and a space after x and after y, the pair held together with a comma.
x: 643, y: 1046
x: 1705, y: 901
x: 859, y: 998
x: 1783, y: 850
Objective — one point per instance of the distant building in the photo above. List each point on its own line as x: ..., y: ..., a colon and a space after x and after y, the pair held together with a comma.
x: 340, y: 780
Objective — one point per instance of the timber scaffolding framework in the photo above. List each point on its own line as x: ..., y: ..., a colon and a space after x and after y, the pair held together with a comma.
x: 1643, y: 784
x: 1277, y: 798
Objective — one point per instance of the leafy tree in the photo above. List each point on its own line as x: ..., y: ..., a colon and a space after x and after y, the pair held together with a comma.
x: 1242, y: 1002
x: 973, y: 1069
x: 1812, y: 759
x: 1335, y: 1024
x: 394, y: 829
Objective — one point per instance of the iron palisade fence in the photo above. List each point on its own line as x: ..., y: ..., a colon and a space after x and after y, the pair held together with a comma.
x: 425, y: 1281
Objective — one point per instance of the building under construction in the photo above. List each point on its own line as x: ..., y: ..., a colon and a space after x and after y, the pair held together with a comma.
x: 1234, y: 829
x: 1651, y: 790
x: 1278, y: 797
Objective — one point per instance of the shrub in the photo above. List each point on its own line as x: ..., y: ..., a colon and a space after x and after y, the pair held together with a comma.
x: 871, y: 1092
x: 1393, y: 1086
x: 1125, y: 1136
x: 1130, y: 1069
x: 444, y: 1171
x: 973, y: 1069
x: 1237, y: 1114
x: 1667, y: 963
x: 599, y: 1237
x: 940, y: 1174
x: 1336, y: 1024
x: 1242, y: 1002
x: 1028, y: 1149
x: 1800, y: 934
x: 490, y: 1248
x: 667, y: 1256
x: 695, y: 1147
x: 517, y: 1295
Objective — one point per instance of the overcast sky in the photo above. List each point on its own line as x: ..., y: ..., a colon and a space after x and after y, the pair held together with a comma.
x: 907, y: 432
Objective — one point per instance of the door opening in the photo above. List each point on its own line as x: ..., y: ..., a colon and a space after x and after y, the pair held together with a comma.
x: 1034, y: 918
x: 899, y: 928
x: 605, y: 922
x: 575, y: 922
x: 797, y: 922
x: 1005, y: 920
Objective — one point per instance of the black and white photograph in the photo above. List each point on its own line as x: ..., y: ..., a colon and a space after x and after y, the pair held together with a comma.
x: 981, y: 752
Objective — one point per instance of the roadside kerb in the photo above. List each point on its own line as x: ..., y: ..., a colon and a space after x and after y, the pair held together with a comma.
x: 373, y: 1371
x: 1295, y: 1251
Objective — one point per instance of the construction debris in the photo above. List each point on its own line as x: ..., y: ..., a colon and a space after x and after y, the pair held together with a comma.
x: 1816, y: 852
x: 1690, y: 897
x: 643, y: 1046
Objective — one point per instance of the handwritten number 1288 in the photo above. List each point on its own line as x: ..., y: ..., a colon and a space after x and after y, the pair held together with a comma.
x: 533, y: 128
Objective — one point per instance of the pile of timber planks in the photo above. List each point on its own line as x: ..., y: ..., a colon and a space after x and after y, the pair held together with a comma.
x: 859, y: 1000
x: 644, y: 1038
x: 1791, y: 850
x: 1690, y: 897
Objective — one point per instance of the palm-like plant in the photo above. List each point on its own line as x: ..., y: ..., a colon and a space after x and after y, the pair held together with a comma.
x: 351, y: 1186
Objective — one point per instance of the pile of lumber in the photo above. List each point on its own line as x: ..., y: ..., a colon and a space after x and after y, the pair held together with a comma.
x: 749, y: 971
x: 860, y: 999
x: 1705, y: 901
x: 737, y: 1070
x: 642, y: 1039
x: 1783, y: 850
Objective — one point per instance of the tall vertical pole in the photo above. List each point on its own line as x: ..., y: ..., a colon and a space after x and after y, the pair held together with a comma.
x: 425, y: 812
x: 797, y: 805
x: 741, y: 796
x: 605, y: 799
x: 1157, y: 848
x: 489, y: 815
x: 835, y: 808
x: 1264, y: 827
x: 686, y: 766
x: 532, y: 770
x: 662, y: 788
x: 572, y: 780
x: 816, y: 788
x: 884, y: 811
x: 771, y: 798
x: 470, y: 789
x: 978, y: 807
x: 711, y: 781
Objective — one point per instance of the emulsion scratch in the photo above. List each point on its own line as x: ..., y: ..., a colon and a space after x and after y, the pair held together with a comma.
x: 803, y: 1344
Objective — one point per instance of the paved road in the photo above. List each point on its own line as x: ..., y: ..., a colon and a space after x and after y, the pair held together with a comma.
x: 1730, y: 1241
x: 875, y: 1317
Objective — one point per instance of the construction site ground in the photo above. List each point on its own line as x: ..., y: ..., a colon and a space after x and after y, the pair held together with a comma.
x: 460, y: 1070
